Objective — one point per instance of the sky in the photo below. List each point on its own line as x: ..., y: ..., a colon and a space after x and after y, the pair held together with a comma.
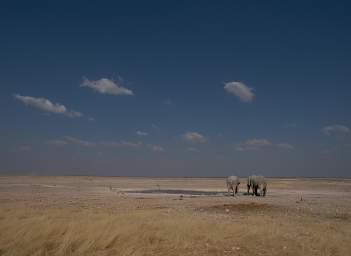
x: 175, y: 88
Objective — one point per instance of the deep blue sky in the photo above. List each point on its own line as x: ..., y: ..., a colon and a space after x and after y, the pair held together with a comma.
x: 176, y: 57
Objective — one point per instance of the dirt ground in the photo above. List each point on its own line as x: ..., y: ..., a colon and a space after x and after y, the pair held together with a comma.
x: 47, y: 215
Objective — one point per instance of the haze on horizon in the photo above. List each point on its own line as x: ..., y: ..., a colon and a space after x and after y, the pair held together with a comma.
x: 175, y: 88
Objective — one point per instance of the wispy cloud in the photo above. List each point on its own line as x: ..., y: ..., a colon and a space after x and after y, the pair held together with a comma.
x: 335, y: 129
x: 256, y: 144
x: 83, y: 143
x: 253, y: 144
x: 66, y: 140
x: 141, y: 133
x: 156, y: 148
x: 131, y: 144
x: 107, y: 86
x: 57, y: 142
x: 285, y: 146
x: 239, y: 89
x: 121, y: 144
x: 47, y: 106
x: 194, y: 137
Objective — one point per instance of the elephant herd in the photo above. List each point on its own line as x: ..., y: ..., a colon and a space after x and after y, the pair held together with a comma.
x: 257, y: 184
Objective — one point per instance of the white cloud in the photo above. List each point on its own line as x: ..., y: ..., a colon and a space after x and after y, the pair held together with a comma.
x: 106, y: 86
x: 127, y: 144
x: 256, y: 144
x: 47, y: 106
x: 112, y: 144
x: 335, y: 129
x: 141, y: 133
x: 72, y: 113
x: 136, y: 145
x: 131, y: 144
x: 57, y: 142
x: 253, y: 144
x: 80, y: 142
x: 285, y: 146
x: 239, y: 89
x: 194, y: 137
x: 84, y: 143
x: 156, y: 148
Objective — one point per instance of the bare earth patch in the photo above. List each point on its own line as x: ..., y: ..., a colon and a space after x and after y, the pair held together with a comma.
x: 242, y: 207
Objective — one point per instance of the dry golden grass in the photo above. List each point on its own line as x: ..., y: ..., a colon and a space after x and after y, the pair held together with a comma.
x: 96, y: 216
x: 26, y: 231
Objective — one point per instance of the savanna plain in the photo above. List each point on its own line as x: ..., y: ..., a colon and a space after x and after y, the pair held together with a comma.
x: 81, y: 215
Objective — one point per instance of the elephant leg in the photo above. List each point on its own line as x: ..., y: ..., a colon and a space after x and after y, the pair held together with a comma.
x: 248, y: 189
x: 253, y: 190
x: 236, y: 189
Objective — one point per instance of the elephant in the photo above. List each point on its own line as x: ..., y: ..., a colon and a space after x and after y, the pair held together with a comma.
x: 257, y: 183
x: 233, y: 184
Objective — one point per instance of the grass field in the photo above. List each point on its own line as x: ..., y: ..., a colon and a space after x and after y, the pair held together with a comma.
x: 98, y: 216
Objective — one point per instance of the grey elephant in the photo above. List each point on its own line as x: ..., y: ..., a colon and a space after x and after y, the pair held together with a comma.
x: 233, y: 184
x: 256, y: 183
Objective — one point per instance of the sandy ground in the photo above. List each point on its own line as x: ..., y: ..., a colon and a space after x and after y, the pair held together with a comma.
x: 44, y: 215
